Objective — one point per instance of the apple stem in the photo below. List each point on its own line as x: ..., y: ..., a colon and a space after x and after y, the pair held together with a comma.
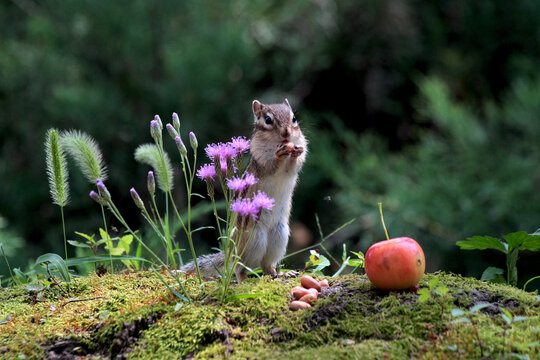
x: 382, y: 220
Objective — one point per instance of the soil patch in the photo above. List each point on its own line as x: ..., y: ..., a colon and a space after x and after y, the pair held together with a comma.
x: 116, y: 347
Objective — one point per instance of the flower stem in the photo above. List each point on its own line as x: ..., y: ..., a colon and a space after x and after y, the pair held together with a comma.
x: 117, y: 215
x: 107, y: 232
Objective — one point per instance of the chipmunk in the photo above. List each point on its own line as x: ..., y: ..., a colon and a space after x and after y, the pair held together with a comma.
x: 278, y: 151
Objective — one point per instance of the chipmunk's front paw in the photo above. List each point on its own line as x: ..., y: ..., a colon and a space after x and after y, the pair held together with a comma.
x: 289, y: 274
x: 284, y: 150
x: 297, y: 151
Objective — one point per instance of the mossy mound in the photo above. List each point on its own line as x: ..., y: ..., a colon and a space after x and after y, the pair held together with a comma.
x: 134, y: 316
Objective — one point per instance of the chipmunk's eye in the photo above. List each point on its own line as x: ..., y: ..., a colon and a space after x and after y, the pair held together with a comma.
x: 268, y: 120
x: 294, y: 119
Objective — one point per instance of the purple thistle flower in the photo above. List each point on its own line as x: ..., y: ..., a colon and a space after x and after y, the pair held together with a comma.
x: 228, y: 151
x: 206, y: 172
x: 261, y: 201
x: 151, y: 183
x: 250, y: 179
x: 237, y: 184
x: 136, y: 198
x: 240, y: 144
x: 97, y: 198
x: 244, y: 207
x: 155, y: 131
x: 223, y: 166
x: 220, y: 151
x: 212, y: 151
x: 103, y: 191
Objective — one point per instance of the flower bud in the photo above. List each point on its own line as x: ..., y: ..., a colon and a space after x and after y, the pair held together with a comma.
x: 160, y: 123
x: 193, y: 141
x: 151, y: 183
x: 180, y: 145
x: 155, y: 130
x: 136, y: 198
x: 172, y: 132
x: 176, y: 121
x: 97, y: 198
x: 103, y: 191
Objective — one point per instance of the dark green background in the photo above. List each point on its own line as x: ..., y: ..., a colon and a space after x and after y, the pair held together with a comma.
x: 432, y: 108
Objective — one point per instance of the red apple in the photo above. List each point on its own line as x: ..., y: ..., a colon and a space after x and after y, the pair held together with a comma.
x: 395, y: 264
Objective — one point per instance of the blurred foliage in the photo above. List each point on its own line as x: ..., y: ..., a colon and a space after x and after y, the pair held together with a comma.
x: 472, y: 171
x: 449, y: 154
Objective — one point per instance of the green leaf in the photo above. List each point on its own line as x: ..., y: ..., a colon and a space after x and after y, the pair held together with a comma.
x: 457, y: 312
x: 89, y: 238
x: 481, y: 243
x: 523, y: 241
x: 424, y: 295
x: 57, y: 263
x: 433, y: 283
x: 79, y: 244
x: 20, y: 276
x: 532, y: 243
x: 491, y: 273
x: 442, y: 290
x: 125, y: 242
x: 478, y: 307
x: 520, y: 318
x: 506, y: 319
x: 506, y: 312
x: 355, y: 262
x: 117, y: 251
x: 322, y: 263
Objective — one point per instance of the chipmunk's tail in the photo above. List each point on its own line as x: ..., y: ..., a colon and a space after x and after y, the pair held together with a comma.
x: 208, y: 265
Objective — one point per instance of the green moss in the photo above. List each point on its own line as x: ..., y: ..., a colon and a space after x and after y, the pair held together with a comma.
x: 353, y: 320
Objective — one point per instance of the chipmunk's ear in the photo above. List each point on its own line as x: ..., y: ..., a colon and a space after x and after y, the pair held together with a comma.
x: 257, y: 108
x: 286, y: 102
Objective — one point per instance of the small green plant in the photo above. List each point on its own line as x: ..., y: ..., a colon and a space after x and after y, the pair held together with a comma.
x: 439, y: 293
x: 317, y: 262
x: 320, y: 261
x: 462, y: 316
x: 513, y: 243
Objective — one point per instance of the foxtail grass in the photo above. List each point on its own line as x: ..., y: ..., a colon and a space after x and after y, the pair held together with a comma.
x: 88, y: 157
x: 58, y: 176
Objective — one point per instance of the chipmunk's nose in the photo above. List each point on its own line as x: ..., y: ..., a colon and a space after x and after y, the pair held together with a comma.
x: 286, y: 133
